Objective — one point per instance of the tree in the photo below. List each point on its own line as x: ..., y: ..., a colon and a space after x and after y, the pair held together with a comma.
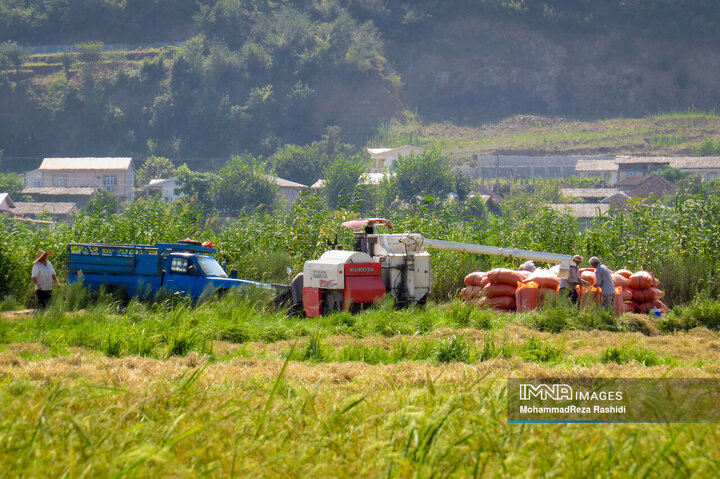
x: 11, y: 56
x: 422, y: 174
x: 155, y: 167
x: 673, y: 174
x: 302, y: 164
x: 341, y: 179
x: 11, y: 183
x: 244, y: 184
x: 199, y: 185
x: 103, y: 203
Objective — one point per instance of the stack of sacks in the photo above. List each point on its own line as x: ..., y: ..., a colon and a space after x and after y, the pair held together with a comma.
x: 494, y: 289
x: 536, y: 286
x: 621, y: 278
x: 645, y: 294
x: 474, y: 284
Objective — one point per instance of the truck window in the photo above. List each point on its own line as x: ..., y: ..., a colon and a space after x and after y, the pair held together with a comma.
x: 179, y: 265
x: 210, y: 266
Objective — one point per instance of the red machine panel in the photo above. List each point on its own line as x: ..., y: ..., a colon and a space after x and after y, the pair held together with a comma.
x: 362, y: 269
x: 311, y: 302
x: 363, y: 289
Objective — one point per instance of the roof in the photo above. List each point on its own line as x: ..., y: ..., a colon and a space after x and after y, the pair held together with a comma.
x: 684, y: 162
x: 588, y: 192
x: 486, y: 193
x: 618, y: 200
x: 53, y: 208
x: 283, y: 183
x: 59, y: 190
x: 596, y: 165
x: 119, y: 163
x: 631, y: 181
x: 372, y: 178
x: 157, y: 182
x: 380, y: 151
x: 6, y: 196
x: 318, y: 184
x: 654, y: 186
x: 581, y: 210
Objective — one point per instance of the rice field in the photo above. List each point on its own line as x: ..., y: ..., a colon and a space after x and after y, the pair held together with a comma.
x: 229, y: 389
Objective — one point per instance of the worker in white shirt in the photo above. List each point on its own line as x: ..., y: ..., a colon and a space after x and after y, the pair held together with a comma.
x: 43, y: 276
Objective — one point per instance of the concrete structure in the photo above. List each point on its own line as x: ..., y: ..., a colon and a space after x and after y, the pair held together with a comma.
x: 80, y: 196
x: 166, y: 188
x: 383, y: 158
x: 288, y: 191
x: 116, y: 175
x: 33, y: 179
x: 623, y: 168
x: 606, y: 170
x: 520, y: 166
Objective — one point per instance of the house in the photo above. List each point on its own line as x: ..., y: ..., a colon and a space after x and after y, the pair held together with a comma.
x: 383, y: 158
x: 589, y: 195
x: 116, y: 175
x: 59, y: 211
x: 168, y: 188
x: 33, y: 178
x: 288, y: 191
x: 80, y: 196
x: 5, y: 202
x: 604, y: 169
x: 629, y: 166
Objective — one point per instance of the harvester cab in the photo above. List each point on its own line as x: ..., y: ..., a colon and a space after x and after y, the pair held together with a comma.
x: 395, y: 263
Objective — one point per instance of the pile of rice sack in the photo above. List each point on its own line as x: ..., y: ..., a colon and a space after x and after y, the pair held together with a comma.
x: 507, y: 290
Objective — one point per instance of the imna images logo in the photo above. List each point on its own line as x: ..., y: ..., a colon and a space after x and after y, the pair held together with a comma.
x: 557, y: 392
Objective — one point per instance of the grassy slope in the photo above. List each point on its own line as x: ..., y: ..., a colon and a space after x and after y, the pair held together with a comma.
x: 669, y: 134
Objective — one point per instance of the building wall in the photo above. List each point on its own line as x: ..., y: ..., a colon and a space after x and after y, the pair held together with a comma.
x: 520, y: 166
x: 117, y: 182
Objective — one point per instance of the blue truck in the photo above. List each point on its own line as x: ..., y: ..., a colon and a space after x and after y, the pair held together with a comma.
x: 142, y: 271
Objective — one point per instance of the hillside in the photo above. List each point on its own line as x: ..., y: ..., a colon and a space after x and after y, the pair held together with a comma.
x: 261, y: 75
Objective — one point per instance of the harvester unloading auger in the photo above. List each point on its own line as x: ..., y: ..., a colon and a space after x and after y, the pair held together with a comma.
x: 398, y: 264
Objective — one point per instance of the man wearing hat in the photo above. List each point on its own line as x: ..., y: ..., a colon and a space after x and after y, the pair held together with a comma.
x: 43, y: 275
x: 570, y: 284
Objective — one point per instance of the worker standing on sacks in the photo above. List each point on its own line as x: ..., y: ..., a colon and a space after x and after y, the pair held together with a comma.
x: 605, y: 283
x: 569, y: 285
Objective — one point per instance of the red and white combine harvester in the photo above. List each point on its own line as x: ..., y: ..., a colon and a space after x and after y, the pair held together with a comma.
x: 398, y: 264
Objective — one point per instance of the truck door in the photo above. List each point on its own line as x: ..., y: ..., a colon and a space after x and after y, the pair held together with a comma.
x: 184, y: 277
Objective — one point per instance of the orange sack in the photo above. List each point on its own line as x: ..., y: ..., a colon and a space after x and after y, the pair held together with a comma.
x: 589, y: 276
x: 544, y: 278
x: 627, y: 294
x: 620, y: 280
x: 507, y: 302
x: 655, y: 303
x: 642, y: 280
x: 631, y: 306
x: 647, y: 294
x: 470, y: 292
x: 498, y: 289
x: 476, y: 279
x: 505, y: 276
x: 625, y: 273
x: 526, y: 296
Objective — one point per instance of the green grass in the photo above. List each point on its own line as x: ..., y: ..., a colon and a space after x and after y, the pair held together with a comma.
x: 672, y: 133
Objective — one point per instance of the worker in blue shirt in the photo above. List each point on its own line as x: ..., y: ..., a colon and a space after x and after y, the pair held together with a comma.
x: 604, y: 282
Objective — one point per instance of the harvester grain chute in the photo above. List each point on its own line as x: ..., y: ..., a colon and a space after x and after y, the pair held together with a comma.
x: 394, y: 263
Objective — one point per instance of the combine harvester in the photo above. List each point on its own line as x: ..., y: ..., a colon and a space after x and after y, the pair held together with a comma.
x: 398, y: 264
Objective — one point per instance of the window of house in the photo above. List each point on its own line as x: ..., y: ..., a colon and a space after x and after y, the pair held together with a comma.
x: 179, y: 265
x: 59, y: 180
x: 109, y: 180
x: 630, y: 173
x: 711, y: 176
